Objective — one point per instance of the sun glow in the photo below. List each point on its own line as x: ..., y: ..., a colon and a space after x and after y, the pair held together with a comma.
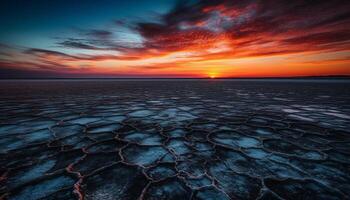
x: 212, y: 75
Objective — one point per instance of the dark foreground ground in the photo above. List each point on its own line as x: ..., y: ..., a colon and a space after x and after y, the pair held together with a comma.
x: 179, y: 139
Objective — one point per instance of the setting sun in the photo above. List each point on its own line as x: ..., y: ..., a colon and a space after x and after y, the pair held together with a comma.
x: 212, y: 75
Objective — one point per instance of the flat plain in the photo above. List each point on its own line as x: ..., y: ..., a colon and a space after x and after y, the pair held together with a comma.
x: 174, y: 139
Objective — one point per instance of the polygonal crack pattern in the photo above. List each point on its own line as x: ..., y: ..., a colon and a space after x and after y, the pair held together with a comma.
x: 174, y: 140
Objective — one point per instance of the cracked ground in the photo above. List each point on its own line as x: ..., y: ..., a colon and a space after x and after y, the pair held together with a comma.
x: 174, y: 139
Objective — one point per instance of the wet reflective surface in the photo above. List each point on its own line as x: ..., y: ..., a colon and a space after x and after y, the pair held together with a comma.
x: 177, y: 139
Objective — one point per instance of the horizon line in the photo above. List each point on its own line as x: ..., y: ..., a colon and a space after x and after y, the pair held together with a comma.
x: 272, y: 77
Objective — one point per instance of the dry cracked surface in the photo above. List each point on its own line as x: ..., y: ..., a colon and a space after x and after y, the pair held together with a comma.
x: 174, y: 140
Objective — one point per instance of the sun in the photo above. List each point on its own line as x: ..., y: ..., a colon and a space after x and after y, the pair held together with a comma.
x: 212, y: 75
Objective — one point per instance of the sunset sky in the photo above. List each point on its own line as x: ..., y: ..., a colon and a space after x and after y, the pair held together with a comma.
x: 168, y: 38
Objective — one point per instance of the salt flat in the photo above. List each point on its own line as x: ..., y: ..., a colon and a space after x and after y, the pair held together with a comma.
x: 175, y: 139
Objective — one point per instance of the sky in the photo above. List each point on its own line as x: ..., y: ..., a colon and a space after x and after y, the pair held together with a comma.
x: 174, y: 38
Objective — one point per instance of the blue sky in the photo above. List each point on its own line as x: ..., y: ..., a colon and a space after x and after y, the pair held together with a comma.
x: 36, y: 23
